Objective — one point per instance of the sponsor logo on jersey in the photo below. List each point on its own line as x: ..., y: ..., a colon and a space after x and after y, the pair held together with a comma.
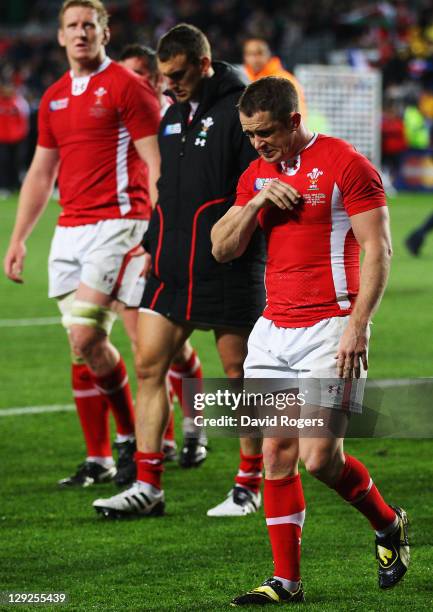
x: 99, y: 93
x: 79, y: 85
x: 59, y: 104
x: 314, y: 176
x: 260, y: 183
x: 201, y: 139
x: 172, y: 128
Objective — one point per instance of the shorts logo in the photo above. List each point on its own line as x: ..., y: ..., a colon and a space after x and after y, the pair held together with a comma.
x: 206, y: 123
x: 172, y: 128
x: 99, y: 93
x: 314, y: 177
x: 59, y: 104
x: 260, y: 183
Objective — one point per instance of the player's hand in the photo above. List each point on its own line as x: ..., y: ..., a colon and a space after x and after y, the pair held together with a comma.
x: 352, y: 351
x: 14, y: 261
x: 278, y: 193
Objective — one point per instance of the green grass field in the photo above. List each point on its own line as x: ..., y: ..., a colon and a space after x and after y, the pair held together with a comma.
x: 51, y: 540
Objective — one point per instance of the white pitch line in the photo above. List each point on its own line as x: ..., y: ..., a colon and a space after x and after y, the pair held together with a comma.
x: 384, y: 383
x: 37, y: 321
x: 387, y: 383
x: 37, y: 409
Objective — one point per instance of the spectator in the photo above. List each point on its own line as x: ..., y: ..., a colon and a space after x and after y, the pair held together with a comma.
x: 14, y: 127
x: 394, y: 141
x: 259, y: 62
x: 415, y: 128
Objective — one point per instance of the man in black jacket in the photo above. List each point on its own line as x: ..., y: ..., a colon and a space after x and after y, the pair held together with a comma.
x: 203, y: 153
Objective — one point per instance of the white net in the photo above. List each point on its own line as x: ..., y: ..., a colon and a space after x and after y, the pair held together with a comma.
x: 344, y: 103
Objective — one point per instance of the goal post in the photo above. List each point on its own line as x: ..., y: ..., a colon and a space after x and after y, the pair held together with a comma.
x: 345, y: 103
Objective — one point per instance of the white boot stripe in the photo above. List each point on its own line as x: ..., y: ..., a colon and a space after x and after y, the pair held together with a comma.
x: 114, y: 389
x: 361, y: 497
x: 243, y: 474
x: 297, y: 519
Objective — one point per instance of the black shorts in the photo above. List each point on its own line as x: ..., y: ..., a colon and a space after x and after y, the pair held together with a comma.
x: 230, y: 299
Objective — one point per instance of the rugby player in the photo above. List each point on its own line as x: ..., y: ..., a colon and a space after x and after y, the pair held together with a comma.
x: 318, y: 201
x: 96, y: 126
x: 203, y: 153
x: 186, y: 364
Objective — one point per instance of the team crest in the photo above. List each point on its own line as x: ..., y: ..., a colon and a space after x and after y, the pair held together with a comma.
x: 99, y: 93
x: 206, y: 123
x: 314, y: 176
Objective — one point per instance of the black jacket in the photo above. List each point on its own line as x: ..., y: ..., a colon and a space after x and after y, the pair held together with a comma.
x: 200, y: 167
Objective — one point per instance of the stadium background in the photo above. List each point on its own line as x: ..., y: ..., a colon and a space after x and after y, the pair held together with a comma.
x: 51, y: 540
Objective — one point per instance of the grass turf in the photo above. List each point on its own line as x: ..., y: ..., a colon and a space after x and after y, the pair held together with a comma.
x: 51, y: 540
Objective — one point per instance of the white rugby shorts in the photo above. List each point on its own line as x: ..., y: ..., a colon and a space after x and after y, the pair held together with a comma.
x: 304, y: 358
x: 106, y: 256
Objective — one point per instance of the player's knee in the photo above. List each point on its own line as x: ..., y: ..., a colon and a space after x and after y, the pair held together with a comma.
x: 280, y: 457
x: 322, y: 465
x: 88, y: 325
x: 85, y: 340
x: 148, y: 369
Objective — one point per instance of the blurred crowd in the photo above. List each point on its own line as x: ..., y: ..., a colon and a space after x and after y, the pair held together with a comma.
x: 394, y: 35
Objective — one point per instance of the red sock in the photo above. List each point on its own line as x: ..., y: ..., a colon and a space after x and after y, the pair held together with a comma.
x: 92, y: 411
x: 169, y: 432
x: 116, y: 390
x: 190, y: 369
x: 250, y: 471
x: 357, y: 488
x: 285, y: 512
x: 149, y: 467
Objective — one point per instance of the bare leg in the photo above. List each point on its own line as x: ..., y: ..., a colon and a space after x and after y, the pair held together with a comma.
x: 92, y: 344
x: 158, y: 341
x: 232, y: 349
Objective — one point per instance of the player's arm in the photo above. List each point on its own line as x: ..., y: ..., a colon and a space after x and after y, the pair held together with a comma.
x: 232, y: 233
x: 148, y: 150
x: 371, y: 230
x: 34, y: 195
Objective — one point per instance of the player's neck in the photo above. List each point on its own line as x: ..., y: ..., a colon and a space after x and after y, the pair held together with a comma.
x: 196, y: 96
x: 86, y: 68
x: 304, y: 137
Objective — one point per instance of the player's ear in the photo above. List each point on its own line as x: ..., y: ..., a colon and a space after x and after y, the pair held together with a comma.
x: 205, y: 64
x: 106, y: 38
x: 61, y: 37
x: 295, y: 120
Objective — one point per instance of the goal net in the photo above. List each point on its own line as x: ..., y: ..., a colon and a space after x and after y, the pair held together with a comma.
x: 344, y: 103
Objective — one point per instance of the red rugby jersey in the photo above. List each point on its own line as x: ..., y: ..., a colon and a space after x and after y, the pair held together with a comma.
x: 312, y: 269
x: 93, y: 122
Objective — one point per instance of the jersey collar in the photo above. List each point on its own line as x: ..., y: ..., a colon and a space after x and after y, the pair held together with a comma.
x: 79, y: 84
x: 291, y: 166
x: 107, y: 61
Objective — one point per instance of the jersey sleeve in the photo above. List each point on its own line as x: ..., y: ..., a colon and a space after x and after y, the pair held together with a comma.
x: 361, y: 185
x: 244, y: 190
x: 45, y: 135
x: 139, y: 109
